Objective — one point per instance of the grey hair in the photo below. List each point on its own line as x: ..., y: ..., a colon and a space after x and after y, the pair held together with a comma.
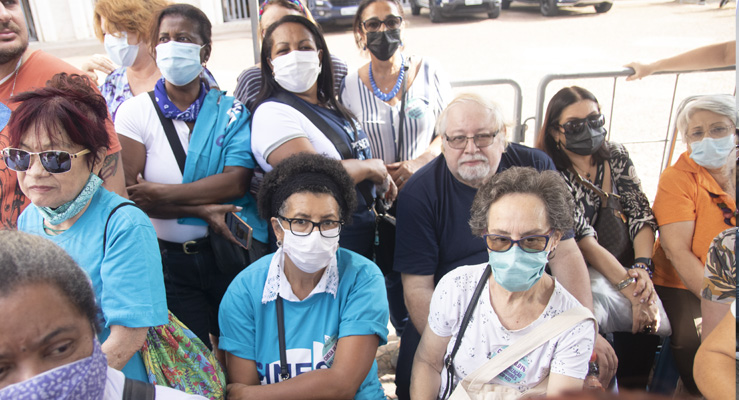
x: 27, y: 259
x: 546, y: 185
x: 492, y: 108
x: 721, y: 104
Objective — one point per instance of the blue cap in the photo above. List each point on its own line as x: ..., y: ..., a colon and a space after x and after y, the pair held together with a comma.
x: 4, y: 115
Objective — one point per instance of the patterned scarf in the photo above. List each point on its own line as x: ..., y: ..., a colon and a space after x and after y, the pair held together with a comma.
x: 72, y: 208
x: 171, y: 111
x: 82, y: 379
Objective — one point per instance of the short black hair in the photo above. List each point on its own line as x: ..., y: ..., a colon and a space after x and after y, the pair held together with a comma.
x: 306, y: 164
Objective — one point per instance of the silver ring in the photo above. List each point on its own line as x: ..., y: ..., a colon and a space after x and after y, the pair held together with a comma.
x: 401, y: 179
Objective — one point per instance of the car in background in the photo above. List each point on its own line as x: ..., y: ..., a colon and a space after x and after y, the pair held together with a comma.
x: 333, y: 11
x: 550, y: 8
x: 438, y: 9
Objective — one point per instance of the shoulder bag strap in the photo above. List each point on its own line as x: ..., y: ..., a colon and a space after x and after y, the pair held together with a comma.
x: 137, y: 390
x: 401, y: 117
x: 105, y: 232
x: 525, y: 345
x: 318, y: 121
x: 463, y: 327
x: 169, y: 130
x: 284, y: 371
x: 603, y: 195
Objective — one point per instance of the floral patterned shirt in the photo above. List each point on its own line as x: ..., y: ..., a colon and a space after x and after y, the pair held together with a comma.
x: 624, y: 182
x: 719, y: 277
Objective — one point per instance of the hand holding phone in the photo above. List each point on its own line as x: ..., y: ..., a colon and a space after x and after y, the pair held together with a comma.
x: 239, y: 229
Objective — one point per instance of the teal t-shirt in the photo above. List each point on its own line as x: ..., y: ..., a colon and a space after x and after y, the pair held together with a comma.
x: 127, y: 276
x: 312, y: 326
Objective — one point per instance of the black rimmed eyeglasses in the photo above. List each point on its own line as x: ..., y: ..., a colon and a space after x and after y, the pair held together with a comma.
x: 529, y: 244
x: 304, y: 227
x: 391, y: 22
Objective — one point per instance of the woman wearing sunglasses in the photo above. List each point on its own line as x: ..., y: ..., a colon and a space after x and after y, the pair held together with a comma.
x: 58, y: 139
x: 315, y: 309
x: 521, y: 214
x: 297, y: 111
x: 696, y: 200
x: 573, y: 135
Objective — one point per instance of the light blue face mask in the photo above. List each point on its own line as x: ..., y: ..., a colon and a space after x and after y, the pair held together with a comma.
x: 516, y: 270
x: 178, y: 62
x: 712, y: 153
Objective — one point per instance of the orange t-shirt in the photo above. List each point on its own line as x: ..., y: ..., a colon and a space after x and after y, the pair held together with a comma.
x: 33, y: 73
x: 683, y: 195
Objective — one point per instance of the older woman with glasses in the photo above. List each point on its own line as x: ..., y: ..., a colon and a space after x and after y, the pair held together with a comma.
x: 311, y: 312
x: 521, y: 214
x: 573, y: 135
x: 58, y: 140
x: 696, y: 200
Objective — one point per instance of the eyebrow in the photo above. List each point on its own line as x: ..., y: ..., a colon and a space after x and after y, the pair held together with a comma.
x: 527, y: 233
x: 48, y: 338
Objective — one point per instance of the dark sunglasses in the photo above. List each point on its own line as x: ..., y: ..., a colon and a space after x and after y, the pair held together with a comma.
x: 373, y: 24
x: 576, y: 126
x: 53, y: 161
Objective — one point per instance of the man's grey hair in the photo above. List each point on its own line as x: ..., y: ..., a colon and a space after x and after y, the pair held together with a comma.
x: 27, y: 259
x: 492, y: 108
x: 721, y: 104
x: 546, y: 185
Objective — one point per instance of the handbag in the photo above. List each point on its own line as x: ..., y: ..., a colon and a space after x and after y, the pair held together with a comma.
x: 230, y: 258
x: 175, y: 357
x: 475, y: 386
x: 611, y: 224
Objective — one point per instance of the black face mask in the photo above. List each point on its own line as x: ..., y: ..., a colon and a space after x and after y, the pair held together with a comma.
x: 586, y: 142
x: 383, y: 44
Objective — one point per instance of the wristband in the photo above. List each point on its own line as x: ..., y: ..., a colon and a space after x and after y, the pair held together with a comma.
x: 644, y: 267
x: 626, y: 282
x: 646, y: 261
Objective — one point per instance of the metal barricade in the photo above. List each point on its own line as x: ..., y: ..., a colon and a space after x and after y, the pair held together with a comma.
x: 234, y: 10
x: 519, y: 130
x: 671, y: 134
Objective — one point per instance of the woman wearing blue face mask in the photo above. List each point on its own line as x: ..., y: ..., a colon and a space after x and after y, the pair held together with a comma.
x: 188, y: 163
x: 573, y: 135
x: 310, y: 312
x: 297, y: 111
x: 521, y: 214
x: 696, y: 200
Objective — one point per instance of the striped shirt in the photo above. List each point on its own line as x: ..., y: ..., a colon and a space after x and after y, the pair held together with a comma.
x: 426, y: 97
x: 249, y: 82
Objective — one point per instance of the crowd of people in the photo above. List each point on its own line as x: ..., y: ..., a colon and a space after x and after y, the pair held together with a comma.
x: 248, y: 225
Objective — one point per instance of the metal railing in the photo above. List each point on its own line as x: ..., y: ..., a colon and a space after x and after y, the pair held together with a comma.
x: 519, y: 129
x: 235, y: 10
x: 671, y: 134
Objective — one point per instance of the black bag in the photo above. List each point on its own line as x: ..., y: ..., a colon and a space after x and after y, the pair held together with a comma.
x: 230, y: 257
x: 611, y: 225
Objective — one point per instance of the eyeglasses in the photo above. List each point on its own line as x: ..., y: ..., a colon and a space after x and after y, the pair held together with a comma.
x: 480, y: 140
x: 716, y: 131
x: 529, y: 244
x: 578, y: 125
x: 53, y: 161
x: 304, y: 227
x: 373, y: 24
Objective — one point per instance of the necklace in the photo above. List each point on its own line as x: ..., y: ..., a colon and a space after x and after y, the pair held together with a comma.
x: 387, y: 96
x: 587, y: 173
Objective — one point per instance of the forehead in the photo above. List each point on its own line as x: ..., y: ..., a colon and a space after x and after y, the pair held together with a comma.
x: 468, y: 117
x: 705, y: 117
x: 291, y: 32
x: 177, y: 24
x: 581, y: 109
x: 517, y: 212
x: 311, y: 204
x: 45, y: 135
x: 380, y: 9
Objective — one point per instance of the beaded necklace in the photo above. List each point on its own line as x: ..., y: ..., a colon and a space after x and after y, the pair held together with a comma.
x: 387, y: 96
x: 728, y: 214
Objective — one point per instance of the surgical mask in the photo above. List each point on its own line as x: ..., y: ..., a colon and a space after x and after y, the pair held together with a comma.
x: 586, y: 142
x: 309, y: 253
x: 516, y: 270
x: 82, y: 379
x: 119, y: 50
x: 383, y: 44
x: 179, y: 62
x: 297, y: 70
x: 712, y: 153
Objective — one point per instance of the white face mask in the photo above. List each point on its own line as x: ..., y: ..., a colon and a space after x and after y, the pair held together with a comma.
x: 179, y: 62
x: 119, y: 50
x: 712, y: 153
x: 297, y: 70
x: 309, y: 253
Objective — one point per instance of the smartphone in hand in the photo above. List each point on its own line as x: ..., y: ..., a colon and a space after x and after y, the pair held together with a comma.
x: 240, y: 229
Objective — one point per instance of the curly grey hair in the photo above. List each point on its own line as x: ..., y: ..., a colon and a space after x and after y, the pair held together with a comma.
x: 27, y: 259
x: 721, y: 104
x: 546, y: 185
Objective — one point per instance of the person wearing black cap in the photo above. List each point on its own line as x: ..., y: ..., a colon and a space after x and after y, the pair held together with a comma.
x: 311, y: 311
